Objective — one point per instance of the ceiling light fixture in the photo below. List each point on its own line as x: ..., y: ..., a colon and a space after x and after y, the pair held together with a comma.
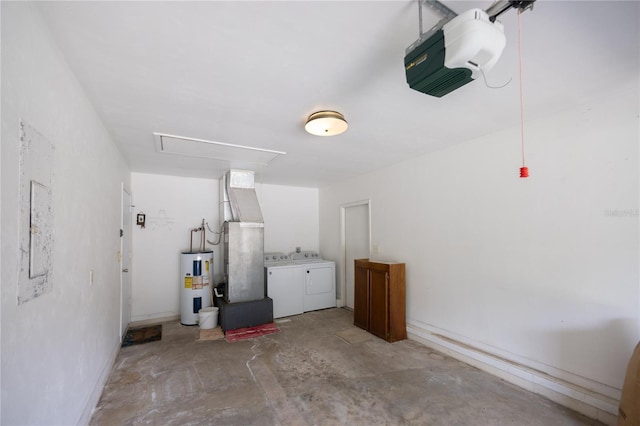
x: 326, y: 123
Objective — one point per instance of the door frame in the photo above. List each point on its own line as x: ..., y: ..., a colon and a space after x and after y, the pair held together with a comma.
x: 342, y: 302
x: 123, y: 189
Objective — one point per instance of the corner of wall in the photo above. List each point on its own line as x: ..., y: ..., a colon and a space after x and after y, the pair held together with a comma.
x: 96, y: 393
x: 588, y: 402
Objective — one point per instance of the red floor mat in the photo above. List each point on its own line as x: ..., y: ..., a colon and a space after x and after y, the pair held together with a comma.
x: 251, y: 332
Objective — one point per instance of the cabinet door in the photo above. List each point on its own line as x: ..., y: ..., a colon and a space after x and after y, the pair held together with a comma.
x: 378, y: 303
x: 361, y: 297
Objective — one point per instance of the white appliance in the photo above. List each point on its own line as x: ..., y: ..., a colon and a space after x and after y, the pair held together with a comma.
x: 299, y: 282
x: 319, y: 280
x: 456, y: 51
x: 196, y: 269
x: 284, y: 285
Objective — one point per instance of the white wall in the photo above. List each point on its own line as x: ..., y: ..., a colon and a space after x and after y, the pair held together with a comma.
x: 291, y: 217
x: 544, y: 270
x: 174, y: 205
x: 58, y: 348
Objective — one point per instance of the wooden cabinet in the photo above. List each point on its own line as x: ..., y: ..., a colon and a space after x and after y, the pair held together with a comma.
x: 380, y: 299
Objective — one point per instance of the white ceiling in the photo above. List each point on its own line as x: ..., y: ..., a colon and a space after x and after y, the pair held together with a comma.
x: 249, y: 73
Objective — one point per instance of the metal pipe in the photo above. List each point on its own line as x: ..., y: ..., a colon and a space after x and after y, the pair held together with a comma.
x: 203, y: 239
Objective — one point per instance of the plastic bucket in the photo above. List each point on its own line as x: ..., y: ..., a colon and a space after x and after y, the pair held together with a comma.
x: 208, y: 317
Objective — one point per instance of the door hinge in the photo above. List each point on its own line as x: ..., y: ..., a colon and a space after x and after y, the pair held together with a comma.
x: 121, y: 233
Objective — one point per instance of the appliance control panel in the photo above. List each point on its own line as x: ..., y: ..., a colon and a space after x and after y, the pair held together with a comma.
x: 305, y: 256
x: 273, y: 258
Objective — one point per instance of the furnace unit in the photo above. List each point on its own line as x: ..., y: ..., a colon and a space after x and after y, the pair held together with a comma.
x: 244, y: 302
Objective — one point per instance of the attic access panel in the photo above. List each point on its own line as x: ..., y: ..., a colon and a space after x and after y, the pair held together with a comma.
x: 201, y: 148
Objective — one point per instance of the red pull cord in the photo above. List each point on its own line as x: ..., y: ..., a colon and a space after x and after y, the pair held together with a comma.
x: 524, y: 170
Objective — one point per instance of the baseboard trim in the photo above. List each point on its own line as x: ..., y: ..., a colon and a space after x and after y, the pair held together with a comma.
x: 96, y: 393
x: 153, y: 321
x: 570, y: 395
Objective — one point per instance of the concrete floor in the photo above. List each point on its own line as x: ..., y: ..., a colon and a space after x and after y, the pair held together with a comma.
x: 306, y: 375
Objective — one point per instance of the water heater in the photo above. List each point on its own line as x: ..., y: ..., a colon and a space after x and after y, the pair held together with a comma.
x: 196, y: 273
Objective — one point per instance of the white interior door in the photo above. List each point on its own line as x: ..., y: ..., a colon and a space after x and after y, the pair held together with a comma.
x: 356, y: 239
x: 125, y: 263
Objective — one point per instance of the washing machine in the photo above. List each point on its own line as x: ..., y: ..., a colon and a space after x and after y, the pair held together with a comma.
x: 284, y: 282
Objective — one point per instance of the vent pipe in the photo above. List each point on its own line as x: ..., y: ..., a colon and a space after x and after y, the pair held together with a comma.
x: 239, y: 202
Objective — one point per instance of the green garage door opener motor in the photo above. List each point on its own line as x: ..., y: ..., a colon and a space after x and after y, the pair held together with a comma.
x: 458, y: 49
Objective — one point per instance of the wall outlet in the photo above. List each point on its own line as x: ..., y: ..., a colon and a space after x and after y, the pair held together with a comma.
x: 91, y: 277
x: 375, y: 249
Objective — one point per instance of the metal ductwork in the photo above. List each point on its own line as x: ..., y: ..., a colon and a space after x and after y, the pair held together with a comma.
x: 243, y: 237
x: 239, y: 199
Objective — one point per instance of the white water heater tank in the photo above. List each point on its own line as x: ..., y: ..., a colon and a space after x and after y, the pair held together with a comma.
x: 196, y: 272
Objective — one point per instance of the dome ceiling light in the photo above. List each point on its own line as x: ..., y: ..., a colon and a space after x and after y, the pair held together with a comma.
x: 326, y: 123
